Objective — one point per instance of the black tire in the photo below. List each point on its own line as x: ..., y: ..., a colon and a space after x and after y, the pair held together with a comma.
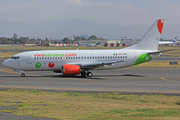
x: 89, y: 74
x: 22, y: 75
x: 83, y: 73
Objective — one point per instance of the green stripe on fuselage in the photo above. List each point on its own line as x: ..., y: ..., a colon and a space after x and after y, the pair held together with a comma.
x: 143, y: 58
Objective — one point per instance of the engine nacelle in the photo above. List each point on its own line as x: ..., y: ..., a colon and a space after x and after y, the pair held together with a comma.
x: 71, y: 69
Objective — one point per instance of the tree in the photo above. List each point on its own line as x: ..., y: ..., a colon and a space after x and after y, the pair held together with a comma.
x: 15, y: 38
x: 4, y: 40
x: 93, y: 37
x: 22, y: 40
x: 66, y: 40
x: 77, y: 38
x: 83, y: 38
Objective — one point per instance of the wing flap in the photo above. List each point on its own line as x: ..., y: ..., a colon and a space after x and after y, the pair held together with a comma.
x: 95, y: 65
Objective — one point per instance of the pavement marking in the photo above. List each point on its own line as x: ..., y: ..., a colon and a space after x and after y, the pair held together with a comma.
x: 165, y: 78
x: 160, y: 84
x: 81, y: 89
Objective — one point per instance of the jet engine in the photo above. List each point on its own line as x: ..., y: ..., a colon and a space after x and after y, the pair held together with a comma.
x: 71, y: 69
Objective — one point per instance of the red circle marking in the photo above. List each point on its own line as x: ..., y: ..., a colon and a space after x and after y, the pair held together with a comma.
x: 51, y: 64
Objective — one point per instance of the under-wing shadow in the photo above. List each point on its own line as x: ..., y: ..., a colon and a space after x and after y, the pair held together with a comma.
x: 75, y: 76
x: 53, y: 76
x: 128, y: 75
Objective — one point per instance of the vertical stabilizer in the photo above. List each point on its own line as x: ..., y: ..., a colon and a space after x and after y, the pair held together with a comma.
x: 150, y: 40
x: 175, y: 42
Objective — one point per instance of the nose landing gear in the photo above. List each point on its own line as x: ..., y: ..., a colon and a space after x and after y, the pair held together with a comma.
x: 20, y: 71
x: 23, y: 75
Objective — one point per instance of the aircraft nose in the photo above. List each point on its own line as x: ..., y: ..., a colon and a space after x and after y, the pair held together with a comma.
x: 9, y: 64
x: 5, y: 63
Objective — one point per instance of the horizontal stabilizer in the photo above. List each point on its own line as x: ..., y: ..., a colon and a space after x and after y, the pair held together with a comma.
x: 161, y: 51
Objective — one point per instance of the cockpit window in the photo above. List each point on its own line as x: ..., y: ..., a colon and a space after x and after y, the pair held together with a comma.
x: 15, y: 57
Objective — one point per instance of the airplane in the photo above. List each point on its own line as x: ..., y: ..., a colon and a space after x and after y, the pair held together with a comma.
x: 169, y: 43
x: 74, y: 62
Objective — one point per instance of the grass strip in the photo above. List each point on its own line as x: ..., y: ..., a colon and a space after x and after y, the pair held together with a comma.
x: 80, y: 106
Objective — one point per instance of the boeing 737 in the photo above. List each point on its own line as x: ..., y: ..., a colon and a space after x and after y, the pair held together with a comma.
x: 169, y: 43
x: 73, y: 62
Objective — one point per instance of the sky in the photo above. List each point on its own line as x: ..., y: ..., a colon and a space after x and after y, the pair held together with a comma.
x: 118, y: 12
x: 113, y: 12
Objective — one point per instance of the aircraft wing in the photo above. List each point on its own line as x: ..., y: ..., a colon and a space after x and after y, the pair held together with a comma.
x: 95, y: 65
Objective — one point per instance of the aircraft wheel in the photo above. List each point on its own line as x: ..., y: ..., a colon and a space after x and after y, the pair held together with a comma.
x: 89, y: 74
x: 83, y: 73
x: 22, y: 75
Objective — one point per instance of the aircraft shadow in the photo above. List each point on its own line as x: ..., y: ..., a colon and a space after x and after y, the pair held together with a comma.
x: 128, y: 75
x: 76, y: 76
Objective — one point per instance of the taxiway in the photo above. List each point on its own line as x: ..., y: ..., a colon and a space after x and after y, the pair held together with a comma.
x: 143, y: 80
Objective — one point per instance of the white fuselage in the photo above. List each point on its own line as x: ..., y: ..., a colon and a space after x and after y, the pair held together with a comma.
x: 53, y: 60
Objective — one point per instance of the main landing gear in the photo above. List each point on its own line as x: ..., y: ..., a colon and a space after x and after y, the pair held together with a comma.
x: 86, y: 73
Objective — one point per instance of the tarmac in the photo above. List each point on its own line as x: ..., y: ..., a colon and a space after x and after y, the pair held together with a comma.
x: 143, y: 80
